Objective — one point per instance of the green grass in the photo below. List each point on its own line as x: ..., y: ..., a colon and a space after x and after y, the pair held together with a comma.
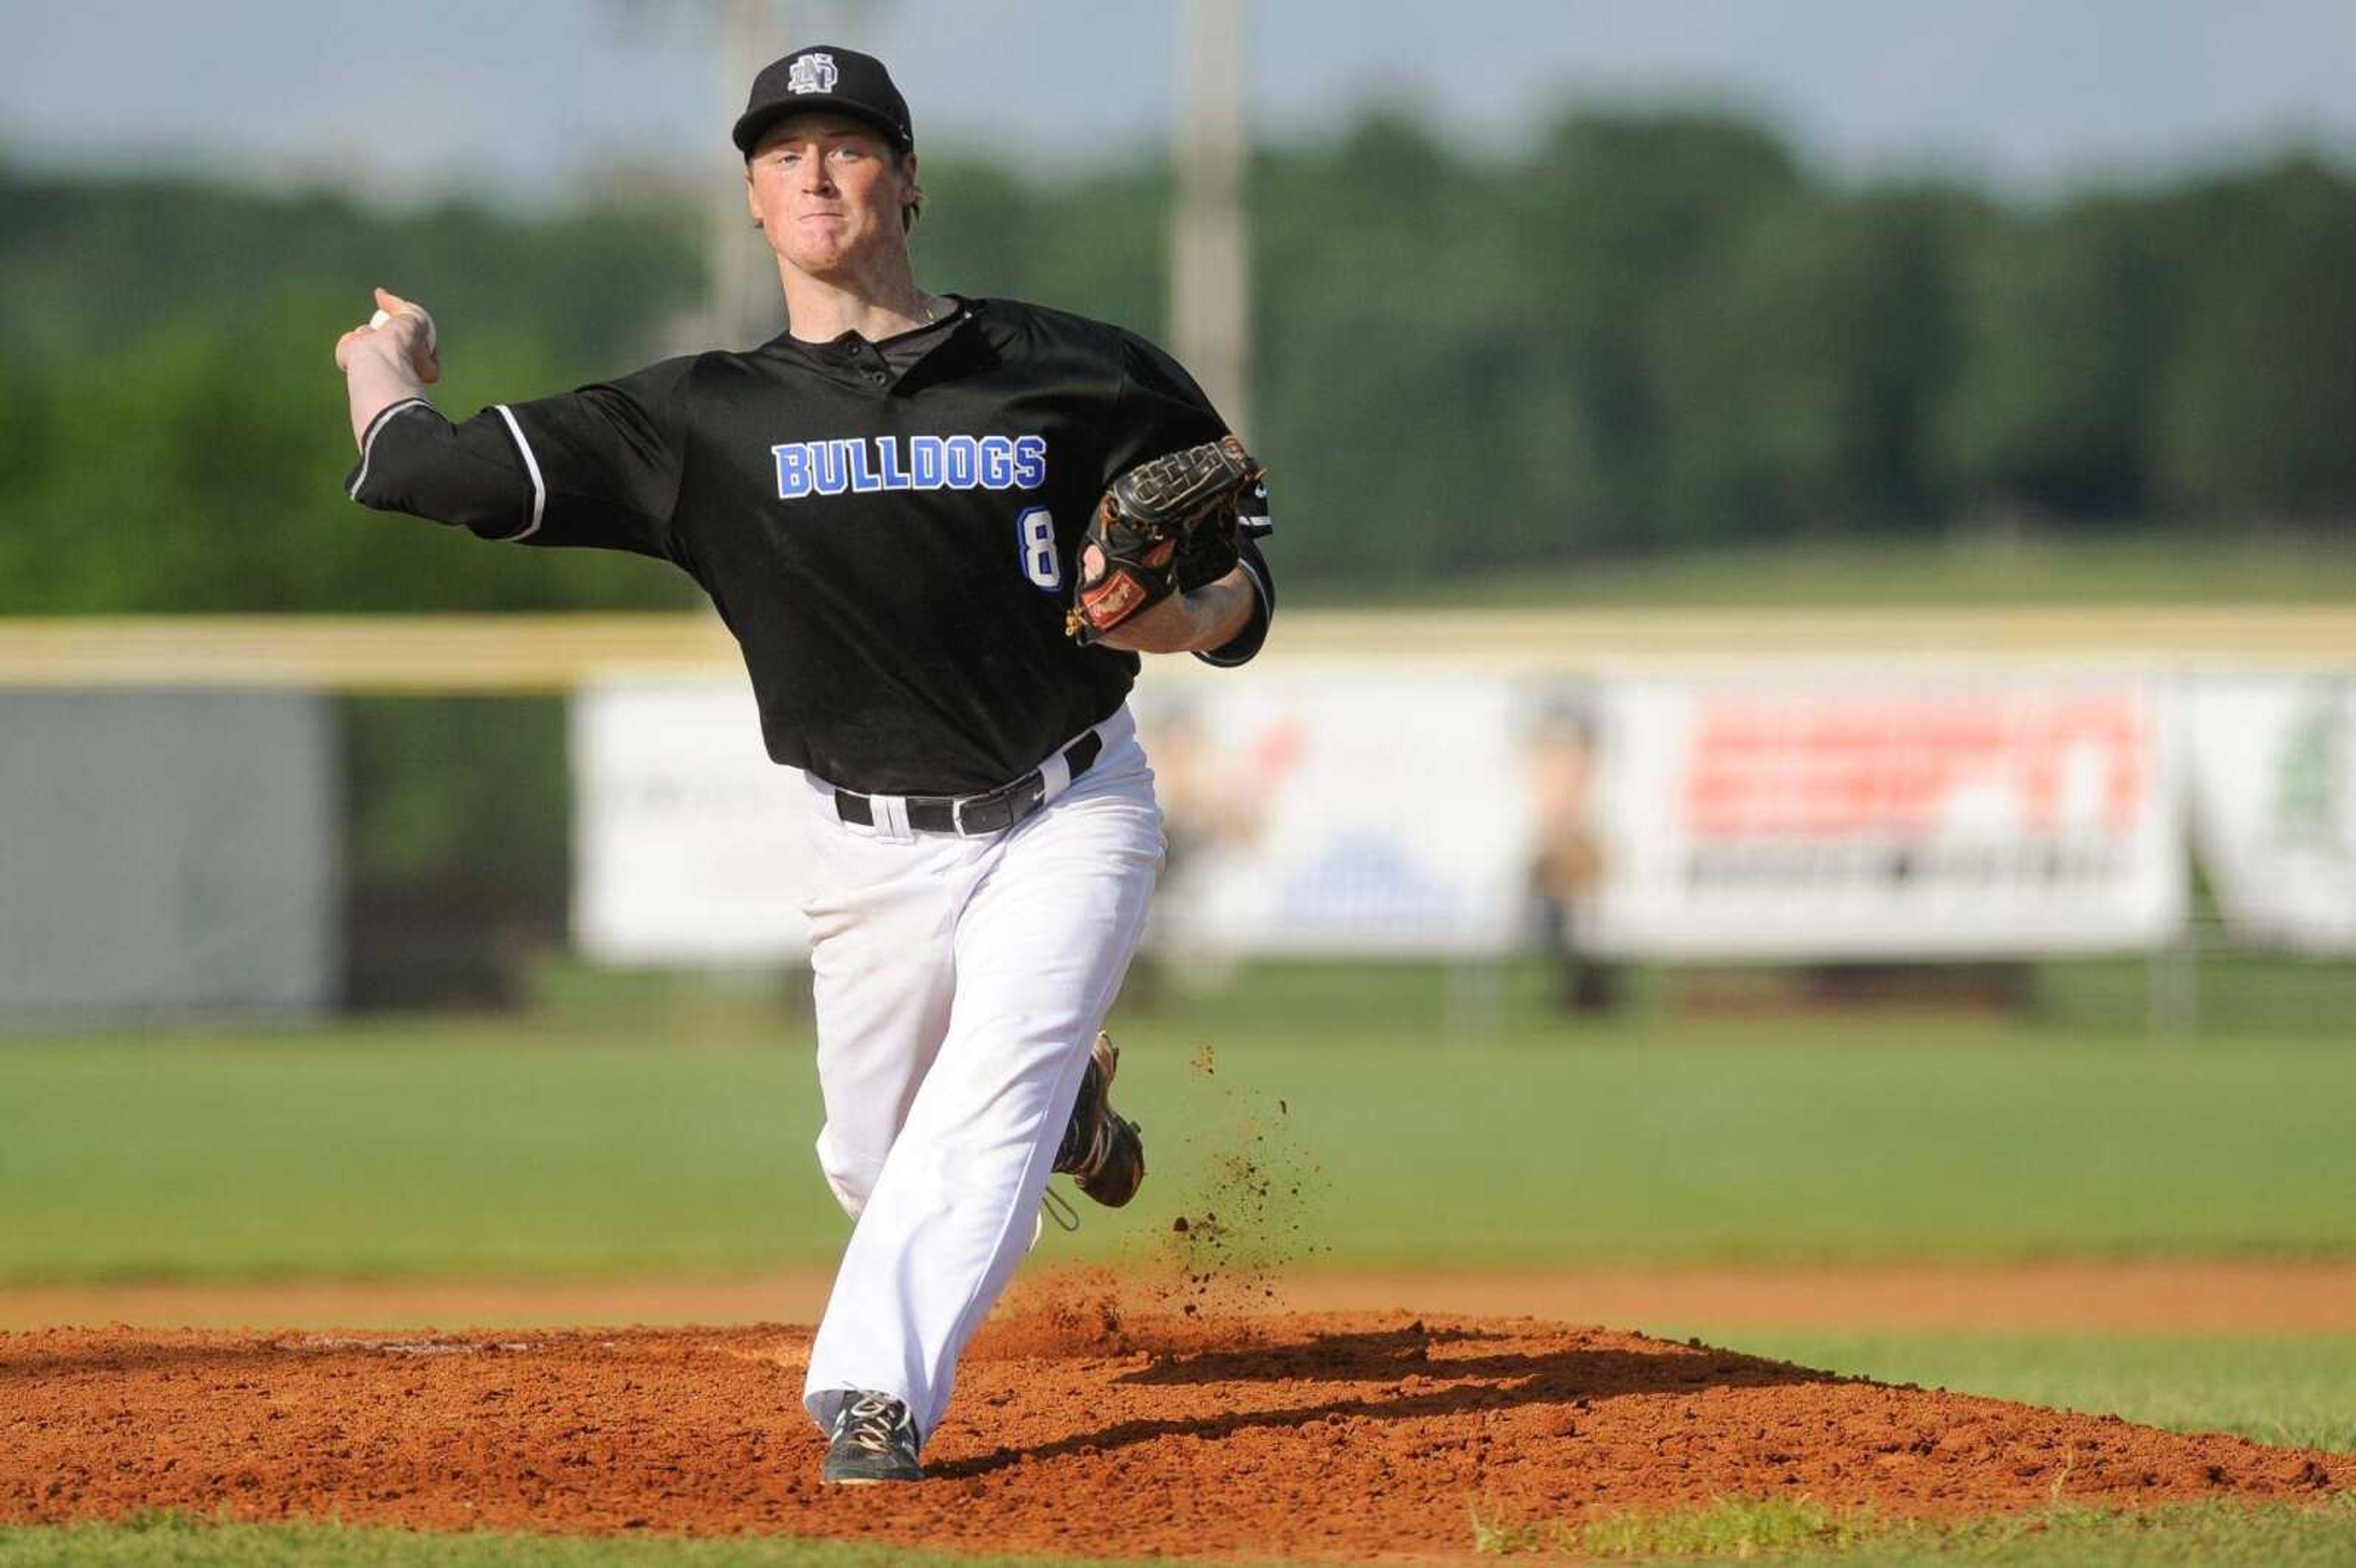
x: 2225, y: 1535
x: 2147, y: 566
x: 633, y: 1125
x: 1434, y: 1122
x: 184, y: 1542
x: 2194, y: 1536
x: 1781, y: 1143
x: 433, y: 1150
x: 1729, y: 1527
x: 2299, y: 1389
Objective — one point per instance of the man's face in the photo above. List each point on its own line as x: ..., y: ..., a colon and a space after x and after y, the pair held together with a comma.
x: 827, y: 190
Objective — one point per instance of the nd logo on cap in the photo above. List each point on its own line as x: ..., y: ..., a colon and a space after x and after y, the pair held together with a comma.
x: 842, y: 79
x: 812, y: 73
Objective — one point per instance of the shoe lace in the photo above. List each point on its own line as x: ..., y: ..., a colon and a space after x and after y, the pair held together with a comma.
x: 1098, y: 1133
x: 1099, y: 1148
x: 1084, y: 1143
x: 871, y: 1422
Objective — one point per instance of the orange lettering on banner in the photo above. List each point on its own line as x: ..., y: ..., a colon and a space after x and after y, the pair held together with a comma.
x: 1881, y: 767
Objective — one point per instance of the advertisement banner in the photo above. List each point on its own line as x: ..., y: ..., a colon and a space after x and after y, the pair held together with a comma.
x: 1338, y: 815
x: 2273, y: 804
x: 689, y: 844
x: 1816, y: 816
x: 1315, y: 816
x: 1836, y: 816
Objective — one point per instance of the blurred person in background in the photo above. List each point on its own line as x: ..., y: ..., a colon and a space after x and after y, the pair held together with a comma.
x: 1568, y: 862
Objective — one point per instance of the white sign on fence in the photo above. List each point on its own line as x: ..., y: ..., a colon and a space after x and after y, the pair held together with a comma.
x: 1820, y: 815
x: 1842, y: 815
x: 2273, y: 804
x: 688, y: 842
x: 1338, y: 815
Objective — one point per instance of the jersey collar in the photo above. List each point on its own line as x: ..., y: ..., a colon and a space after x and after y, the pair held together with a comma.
x: 853, y: 362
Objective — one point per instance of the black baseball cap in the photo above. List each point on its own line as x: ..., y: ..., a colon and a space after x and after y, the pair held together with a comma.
x: 821, y: 77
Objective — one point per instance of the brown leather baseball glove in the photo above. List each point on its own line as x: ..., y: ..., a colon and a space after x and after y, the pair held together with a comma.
x: 1165, y: 524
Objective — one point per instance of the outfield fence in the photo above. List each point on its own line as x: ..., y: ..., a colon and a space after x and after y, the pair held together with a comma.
x: 1810, y: 788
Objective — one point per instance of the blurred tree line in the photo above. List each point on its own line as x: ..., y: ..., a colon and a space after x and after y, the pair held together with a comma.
x: 1657, y: 333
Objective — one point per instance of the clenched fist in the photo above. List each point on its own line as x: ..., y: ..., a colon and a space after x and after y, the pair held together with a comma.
x: 402, y: 333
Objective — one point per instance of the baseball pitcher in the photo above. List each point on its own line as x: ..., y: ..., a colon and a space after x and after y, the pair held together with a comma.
x: 942, y: 528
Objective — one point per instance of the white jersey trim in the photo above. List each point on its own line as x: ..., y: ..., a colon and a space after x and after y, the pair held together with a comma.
x: 530, y: 467
x: 368, y: 442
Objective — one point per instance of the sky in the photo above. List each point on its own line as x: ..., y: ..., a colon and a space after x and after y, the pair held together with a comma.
x: 538, y: 103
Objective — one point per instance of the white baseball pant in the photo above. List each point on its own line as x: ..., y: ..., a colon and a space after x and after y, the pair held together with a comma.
x: 958, y: 982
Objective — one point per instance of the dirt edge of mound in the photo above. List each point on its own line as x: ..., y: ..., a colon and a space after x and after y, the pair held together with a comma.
x: 1087, y: 1419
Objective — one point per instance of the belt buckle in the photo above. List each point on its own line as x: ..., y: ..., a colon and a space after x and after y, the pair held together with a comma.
x: 1000, y: 809
x: 990, y: 814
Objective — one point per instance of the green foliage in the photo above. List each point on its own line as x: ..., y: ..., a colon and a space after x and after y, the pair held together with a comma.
x: 2255, y: 400
x: 1649, y: 333
x: 451, y: 782
x: 95, y: 266
x: 1796, y: 378
x: 2050, y: 408
x: 203, y: 470
x: 2099, y: 566
x: 457, y: 822
x: 173, y: 431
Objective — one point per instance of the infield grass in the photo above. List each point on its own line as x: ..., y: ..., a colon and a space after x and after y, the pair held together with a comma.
x: 1428, y: 1122
x: 2299, y: 1389
x: 2224, y: 1535
x: 185, y: 1543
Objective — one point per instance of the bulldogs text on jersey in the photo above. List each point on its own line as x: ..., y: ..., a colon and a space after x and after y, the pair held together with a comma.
x: 860, y: 465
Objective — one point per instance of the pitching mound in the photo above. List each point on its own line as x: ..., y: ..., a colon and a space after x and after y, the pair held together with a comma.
x: 1077, y: 1427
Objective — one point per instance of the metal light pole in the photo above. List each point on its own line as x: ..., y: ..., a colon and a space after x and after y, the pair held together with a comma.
x: 744, y: 306
x: 1210, y: 281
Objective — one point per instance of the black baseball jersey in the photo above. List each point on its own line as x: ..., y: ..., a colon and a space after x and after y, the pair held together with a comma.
x: 892, y: 542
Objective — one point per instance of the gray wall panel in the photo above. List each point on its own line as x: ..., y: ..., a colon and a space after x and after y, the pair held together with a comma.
x: 168, y: 855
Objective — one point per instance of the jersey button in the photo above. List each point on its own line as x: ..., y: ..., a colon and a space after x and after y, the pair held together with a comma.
x: 878, y: 376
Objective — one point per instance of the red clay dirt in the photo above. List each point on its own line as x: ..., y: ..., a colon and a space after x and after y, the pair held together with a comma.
x: 1081, y: 1425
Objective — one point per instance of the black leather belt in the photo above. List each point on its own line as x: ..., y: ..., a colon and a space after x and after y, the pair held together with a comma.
x: 994, y: 811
